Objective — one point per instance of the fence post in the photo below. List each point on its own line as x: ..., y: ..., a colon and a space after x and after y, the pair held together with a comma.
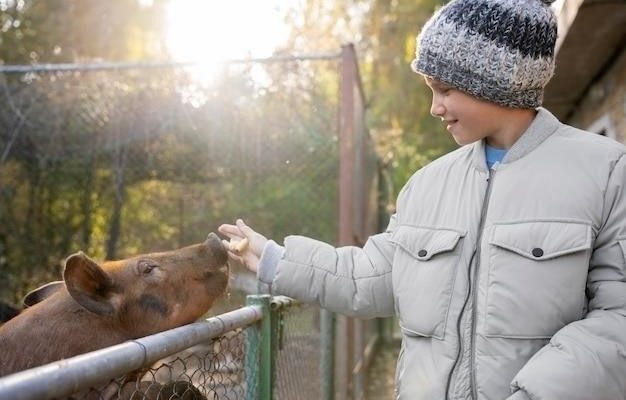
x: 344, y: 325
x: 260, y: 350
x: 327, y: 354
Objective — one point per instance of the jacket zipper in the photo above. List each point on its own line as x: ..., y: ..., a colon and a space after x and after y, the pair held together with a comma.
x: 458, y: 329
x: 481, y: 226
x: 471, y: 292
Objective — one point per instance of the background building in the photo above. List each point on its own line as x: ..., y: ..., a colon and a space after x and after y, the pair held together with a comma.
x: 589, y: 86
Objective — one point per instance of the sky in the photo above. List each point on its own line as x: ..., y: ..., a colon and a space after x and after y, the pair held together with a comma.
x: 214, y: 30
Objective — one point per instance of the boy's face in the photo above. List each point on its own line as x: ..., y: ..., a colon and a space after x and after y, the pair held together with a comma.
x: 467, y: 118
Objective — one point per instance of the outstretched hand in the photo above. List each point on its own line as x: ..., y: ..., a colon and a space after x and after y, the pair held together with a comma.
x: 249, y: 255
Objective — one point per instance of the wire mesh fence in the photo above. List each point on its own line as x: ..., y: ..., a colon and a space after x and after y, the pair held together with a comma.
x: 215, y: 369
x: 115, y: 161
x: 216, y: 361
x: 211, y: 370
x: 297, y: 367
x: 209, y: 359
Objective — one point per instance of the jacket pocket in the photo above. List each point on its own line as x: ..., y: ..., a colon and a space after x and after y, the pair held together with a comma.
x: 537, y: 277
x: 424, y: 267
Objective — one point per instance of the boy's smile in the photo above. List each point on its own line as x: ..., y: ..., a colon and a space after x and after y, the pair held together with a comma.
x: 449, y: 123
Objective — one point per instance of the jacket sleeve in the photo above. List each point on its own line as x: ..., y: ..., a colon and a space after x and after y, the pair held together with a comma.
x: 587, y: 358
x: 349, y: 280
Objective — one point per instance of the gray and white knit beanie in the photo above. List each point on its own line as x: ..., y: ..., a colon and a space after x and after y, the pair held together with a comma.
x: 497, y: 50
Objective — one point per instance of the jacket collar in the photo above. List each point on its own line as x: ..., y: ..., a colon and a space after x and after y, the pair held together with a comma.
x: 544, y: 125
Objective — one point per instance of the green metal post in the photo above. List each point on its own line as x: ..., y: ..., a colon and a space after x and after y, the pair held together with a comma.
x: 260, y: 352
x: 327, y: 354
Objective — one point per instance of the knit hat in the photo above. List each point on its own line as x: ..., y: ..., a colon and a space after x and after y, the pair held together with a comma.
x: 497, y: 50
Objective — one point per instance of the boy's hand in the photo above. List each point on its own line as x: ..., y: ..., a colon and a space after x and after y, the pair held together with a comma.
x: 248, y: 253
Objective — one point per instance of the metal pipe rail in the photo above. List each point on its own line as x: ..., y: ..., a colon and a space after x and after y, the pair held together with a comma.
x: 103, y: 66
x: 77, y: 373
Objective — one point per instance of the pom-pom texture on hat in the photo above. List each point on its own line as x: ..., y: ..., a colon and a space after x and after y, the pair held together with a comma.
x: 497, y: 50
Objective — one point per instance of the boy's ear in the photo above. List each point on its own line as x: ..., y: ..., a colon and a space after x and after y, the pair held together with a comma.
x: 41, y: 293
x: 88, y: 284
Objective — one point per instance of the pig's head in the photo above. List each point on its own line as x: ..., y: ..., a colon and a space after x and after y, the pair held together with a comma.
x: 152, y: 292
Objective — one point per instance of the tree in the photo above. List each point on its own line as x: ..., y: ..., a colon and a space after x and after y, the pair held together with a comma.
x: 384, y: 32
x: 50, y: 31
x: 401, y: 101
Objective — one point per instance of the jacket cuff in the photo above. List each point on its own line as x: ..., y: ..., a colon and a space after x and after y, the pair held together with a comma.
x: 519, y: 395
x: 271, y: 255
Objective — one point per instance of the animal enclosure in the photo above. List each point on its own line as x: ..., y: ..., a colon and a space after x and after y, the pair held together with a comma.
x: 120, y: 159
x: 126, y: 160
x: 230, y: 356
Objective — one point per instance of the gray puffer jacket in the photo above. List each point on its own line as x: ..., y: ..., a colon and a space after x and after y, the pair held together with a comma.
x: 506, y: 283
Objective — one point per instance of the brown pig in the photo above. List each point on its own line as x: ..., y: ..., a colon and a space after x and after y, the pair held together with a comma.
x: 7, y: 311
x: 100, y: 305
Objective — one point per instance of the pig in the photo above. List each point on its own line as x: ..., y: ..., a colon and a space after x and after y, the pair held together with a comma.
x: 7, y: 311
x: 41, y: 293
x: 99, y: 305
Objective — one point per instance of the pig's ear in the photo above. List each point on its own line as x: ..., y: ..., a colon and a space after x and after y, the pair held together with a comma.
x: 41, y: 293
x: 88, y: 284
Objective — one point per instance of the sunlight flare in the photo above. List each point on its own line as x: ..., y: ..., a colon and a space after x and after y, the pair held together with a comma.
x: 209, y: 32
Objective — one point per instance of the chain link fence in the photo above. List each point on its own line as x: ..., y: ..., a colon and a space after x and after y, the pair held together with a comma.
x: 229, y: 356
x: 125, y: 160
x: 297, y: 370
x: 121, y: 159
x: 210, y: 370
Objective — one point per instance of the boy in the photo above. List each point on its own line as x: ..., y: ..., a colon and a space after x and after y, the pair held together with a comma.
x: 505, y: 261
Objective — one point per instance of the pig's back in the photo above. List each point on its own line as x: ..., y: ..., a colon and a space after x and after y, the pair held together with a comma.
x: 52, y: 330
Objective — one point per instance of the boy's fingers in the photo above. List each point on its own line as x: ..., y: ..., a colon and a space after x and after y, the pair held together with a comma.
x: 230, y: 231
x: 244, y: 228
x: 227, y: 228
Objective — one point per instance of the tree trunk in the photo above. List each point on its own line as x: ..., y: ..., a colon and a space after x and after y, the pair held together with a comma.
x: 120, y: 156
x: 86, y: 203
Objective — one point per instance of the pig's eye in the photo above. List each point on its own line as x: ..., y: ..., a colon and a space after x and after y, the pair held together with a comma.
x: 146, y: 267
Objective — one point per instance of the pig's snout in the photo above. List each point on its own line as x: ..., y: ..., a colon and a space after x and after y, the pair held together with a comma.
x: 216, y: 248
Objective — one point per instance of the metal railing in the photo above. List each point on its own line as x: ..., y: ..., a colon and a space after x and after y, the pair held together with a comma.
x: 240, y: 364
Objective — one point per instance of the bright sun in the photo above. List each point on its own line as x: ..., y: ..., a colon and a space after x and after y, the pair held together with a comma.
x: 209, y: 32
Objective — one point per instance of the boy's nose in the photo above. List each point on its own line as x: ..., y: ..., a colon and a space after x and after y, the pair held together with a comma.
x: 437, y: 109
